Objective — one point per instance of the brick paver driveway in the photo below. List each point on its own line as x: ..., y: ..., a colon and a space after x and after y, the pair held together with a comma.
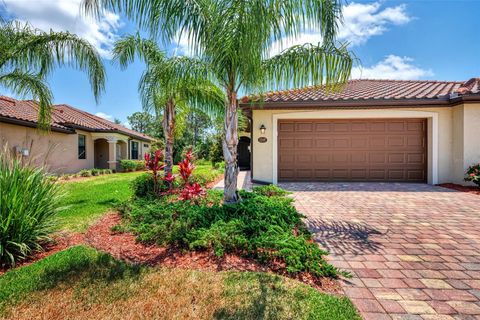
x: 413, y: 249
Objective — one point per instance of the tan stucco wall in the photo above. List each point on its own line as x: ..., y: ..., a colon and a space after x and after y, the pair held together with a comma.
x: 467, y: 130
x: 58, y: 151
x: 263, y: 153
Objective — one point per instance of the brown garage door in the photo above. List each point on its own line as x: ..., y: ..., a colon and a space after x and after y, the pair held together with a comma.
x: 352, y: 150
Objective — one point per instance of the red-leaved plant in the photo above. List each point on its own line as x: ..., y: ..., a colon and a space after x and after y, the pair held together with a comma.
x: 190, y: 191
x: 169, y: 178
x: 152, y: 162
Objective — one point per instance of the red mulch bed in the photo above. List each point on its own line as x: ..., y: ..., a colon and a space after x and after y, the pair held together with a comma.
x: 125, y: 247
x: 61, y: 242
x: 458, y: 187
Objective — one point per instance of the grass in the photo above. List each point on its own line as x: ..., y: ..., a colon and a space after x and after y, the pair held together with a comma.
x: 82, y: 283
x: 86, y: 200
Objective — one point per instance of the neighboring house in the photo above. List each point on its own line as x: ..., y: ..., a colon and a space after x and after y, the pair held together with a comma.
x: 371, y: 130
x: 77, y: 140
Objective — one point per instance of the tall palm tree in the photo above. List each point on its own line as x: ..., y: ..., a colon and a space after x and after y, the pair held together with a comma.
x: 28, y: 55
x: 169, y: 83
x: 235, y: 38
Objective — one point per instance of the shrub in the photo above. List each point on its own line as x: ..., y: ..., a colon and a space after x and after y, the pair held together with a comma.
x: 140, y: 165
x: 144, y: 186
x: 270, y: 190
x: 267, y: 228
x: 85, y: 173
x: 127, y: 165
x: 28, y: 206
x: 107, y: 171
x: 473, y: 174
x: 95, y: 172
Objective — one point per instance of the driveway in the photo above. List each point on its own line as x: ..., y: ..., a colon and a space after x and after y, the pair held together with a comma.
x: 413, y: 249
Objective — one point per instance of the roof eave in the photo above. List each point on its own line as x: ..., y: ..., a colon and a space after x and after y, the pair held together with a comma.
x: 32, y: 124
x: 79, y: 127
x: 355, y: 103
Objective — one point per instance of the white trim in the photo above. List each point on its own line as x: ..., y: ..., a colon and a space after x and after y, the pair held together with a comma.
x: 363, y: 114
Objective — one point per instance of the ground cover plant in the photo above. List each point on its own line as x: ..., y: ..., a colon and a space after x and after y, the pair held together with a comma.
x: 28, y: 209
x: 473, y: 174
x: 82, y: 283
x: 264, y: 225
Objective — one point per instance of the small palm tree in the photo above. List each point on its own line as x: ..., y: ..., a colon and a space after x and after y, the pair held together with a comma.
x: 235, y: 38
x: 28, y: 55
x: 168, y: 84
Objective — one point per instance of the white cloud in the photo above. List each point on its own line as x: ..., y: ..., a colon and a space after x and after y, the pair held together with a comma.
x: 361, y: 22
x: 392, y: 67
x: 63, y: 15
x: 182, y: 45
x: 104, y: 116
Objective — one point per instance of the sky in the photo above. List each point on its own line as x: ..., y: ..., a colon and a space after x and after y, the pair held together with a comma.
x: 408, y: 40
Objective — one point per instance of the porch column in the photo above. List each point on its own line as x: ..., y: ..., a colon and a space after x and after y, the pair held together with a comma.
x: 112, y: 154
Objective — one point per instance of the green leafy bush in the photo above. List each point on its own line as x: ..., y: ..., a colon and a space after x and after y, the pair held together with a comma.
x: 473, y: 174
x: 143, y: 186
x: 28, y: 206
x: 85, y: 173
x: 267, y: 228
x: 95, y: 172
x: 132, y: 165
x: 270, y: 190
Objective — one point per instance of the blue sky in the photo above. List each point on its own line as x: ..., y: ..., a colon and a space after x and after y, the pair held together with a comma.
x: 393, y: 39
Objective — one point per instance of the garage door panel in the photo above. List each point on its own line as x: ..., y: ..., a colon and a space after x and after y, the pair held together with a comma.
x: 285, y: 143
x: 341, y: 143
x: 323, y: 143
x: 358, y: 126
x: 359, y: 142
x: 304, y: 143
x: 352, y: 150
x: 304, y: 127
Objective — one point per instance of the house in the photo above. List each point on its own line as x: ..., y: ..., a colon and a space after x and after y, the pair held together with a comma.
x: 371, y: 130
x: 77, y: 140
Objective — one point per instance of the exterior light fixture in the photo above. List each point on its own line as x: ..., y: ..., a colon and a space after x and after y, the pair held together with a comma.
x: 262, y: 129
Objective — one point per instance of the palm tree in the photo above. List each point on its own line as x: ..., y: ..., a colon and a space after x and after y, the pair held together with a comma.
x: 28, y: 55
x: 234, y: 38
x: 168, y: 84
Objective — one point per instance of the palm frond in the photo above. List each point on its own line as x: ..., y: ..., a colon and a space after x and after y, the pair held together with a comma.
x: 126, y: 48
x: 27, y: 84
x: 33, y: 50
x: 308, y: 64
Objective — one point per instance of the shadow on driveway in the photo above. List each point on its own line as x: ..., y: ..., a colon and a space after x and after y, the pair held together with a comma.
x: 342, y: 237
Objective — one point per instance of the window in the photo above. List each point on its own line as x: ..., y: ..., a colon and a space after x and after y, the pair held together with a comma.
x: 134, y: 150
x: 82, y: 150
x: 145, y: 145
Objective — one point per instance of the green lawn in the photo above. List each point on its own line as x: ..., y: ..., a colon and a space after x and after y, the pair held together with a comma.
x: 86, y: 200
x: 82, y: 283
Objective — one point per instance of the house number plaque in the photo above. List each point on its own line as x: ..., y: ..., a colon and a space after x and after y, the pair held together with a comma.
x: 262, y: 139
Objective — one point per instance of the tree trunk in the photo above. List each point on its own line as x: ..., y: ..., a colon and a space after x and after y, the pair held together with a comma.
x: 229, y: 145
x: 169, y: 133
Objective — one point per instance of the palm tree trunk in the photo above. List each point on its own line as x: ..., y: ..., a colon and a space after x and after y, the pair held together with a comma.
x: 169, y: 133
x: 230, y: 141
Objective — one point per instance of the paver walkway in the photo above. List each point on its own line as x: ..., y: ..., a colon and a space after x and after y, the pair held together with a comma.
x: 413, y: 249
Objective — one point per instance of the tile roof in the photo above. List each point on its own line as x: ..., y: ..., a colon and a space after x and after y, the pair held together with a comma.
x: 64, y: 117
x: 357, y: 90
